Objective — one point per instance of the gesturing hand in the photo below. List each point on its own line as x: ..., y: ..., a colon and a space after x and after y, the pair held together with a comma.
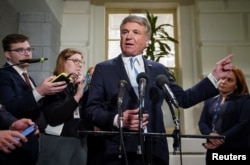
x: 131, y: 119
x: 50, y: 88
x: 223, y: 67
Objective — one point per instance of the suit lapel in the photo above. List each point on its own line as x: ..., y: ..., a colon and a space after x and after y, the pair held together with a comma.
x: 119, y: 67
x: 121, y: 71
x: 18, y: 77
x: 148, y: 70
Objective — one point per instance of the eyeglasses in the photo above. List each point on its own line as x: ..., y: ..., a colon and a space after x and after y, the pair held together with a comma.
x: 22, y: 51
x: 76, y: 61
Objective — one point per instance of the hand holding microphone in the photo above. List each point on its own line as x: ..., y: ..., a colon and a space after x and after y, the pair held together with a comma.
x: 131, y: 119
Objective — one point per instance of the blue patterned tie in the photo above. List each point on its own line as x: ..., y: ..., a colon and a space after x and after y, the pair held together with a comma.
x: 134, y: 74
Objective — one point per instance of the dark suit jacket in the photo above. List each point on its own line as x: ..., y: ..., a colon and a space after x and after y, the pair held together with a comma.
x: 15, y: 95
x: 18, y: 99
x: 59, y: 108
x: 6, y: 119
x: 232, y: 121
x: 102, y: 102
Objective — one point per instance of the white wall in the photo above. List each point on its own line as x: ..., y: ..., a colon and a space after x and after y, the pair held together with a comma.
x: 56, y: 7
x: 76, y: 27
x: 83, y: 28
x: 8, y: 23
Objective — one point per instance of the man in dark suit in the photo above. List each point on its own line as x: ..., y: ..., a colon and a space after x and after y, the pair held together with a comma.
x: 10, y: 130
x: 102, y: 107
x: 20, y: 95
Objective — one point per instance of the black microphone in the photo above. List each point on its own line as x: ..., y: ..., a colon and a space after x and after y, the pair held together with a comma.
x: 122, y: 86
x: 35, y: 60
x: 142, y: 79
x: 162, y: 82
x: 177, y: 140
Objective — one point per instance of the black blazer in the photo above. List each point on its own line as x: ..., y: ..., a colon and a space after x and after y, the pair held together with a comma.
x: 59, y: 109
x: 18, y: 99
x: 233, y: 120
x: 16, y: 96
x: 6, y: 119
x: 102, y: 102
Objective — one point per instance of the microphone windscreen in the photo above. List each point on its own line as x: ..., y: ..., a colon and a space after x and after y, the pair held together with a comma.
x: 43, y: 59
x: 123, y: 83
x: 141, y: 75
x: 161, y: 80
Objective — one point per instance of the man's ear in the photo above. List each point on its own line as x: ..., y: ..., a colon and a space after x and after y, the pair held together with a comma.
x: 7, y: 55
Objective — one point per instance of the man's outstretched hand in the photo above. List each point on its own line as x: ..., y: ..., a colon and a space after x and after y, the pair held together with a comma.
x: 223, y: 67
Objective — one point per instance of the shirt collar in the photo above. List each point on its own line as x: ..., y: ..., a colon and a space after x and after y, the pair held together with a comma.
x: 19, y: 70
x: 127, y: 58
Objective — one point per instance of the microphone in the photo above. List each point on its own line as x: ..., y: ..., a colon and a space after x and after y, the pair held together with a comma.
x: 177, y: 140
x: 142, y: 79
x: 122, y: 86
x: 162, y: 82
x: 35, y: 60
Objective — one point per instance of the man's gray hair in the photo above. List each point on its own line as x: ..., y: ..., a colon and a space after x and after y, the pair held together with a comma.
x: 140, y: 20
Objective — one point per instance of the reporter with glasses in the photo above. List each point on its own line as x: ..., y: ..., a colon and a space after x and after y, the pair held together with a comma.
x: 21, y: 96
x: 61, y: 144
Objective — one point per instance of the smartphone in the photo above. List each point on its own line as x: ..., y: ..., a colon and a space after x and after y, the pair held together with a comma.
x: 28, y: 131
x: 62, y: 77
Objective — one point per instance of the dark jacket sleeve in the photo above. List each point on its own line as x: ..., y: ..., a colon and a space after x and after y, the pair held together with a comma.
x: 6, y: 119
x: 238, y: 122
x: 201, y: 91
x: 59, y: 108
